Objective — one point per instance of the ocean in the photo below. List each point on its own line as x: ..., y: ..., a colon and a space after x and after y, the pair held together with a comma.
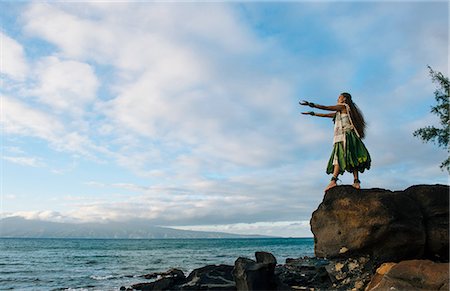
x: 108, y: 264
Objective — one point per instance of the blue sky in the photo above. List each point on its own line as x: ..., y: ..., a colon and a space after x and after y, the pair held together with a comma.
x: 186, y: 114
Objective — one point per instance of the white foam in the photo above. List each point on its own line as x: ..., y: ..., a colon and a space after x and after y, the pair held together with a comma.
x: 99, y: 278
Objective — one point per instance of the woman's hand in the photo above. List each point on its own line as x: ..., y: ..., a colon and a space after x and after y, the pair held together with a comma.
x: 306, y: 103
x: 309, y: 113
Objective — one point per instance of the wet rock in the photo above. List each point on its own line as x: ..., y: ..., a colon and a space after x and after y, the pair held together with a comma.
x: 303, y: 274
x: 169, y: 273
x: 411, y: 275
x: 386, y: 225
x: 265, y: 258
x: 161, y: 284
x: 212, y: 277
x: 169, y: 281
x: 253, y: 275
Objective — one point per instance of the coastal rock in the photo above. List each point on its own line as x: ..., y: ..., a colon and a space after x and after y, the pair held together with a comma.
x: 386, y: 225
x: 433, y: 201
x: 176, y: 273
x: 350, y: 273
x: 411, y: 275
x: 303, y: 274
x: 266, y: 258
x: 211, y: 277
x: 168, y: 281
x: 253, y: 275
x: 357, y: 233
x: 162, y: 284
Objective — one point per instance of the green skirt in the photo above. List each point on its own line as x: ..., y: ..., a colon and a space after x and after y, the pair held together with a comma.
x: 354, y: 157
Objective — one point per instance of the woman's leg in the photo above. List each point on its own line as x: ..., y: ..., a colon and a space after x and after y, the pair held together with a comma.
x: 334, y: 179
x: 356, y: 182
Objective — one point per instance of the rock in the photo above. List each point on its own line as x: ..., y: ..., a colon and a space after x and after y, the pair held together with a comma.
x: 350, y: 273
x: 212, y: 277
x: 433, y: 201
x: 169, y: 273
x: 251, y: 275
x: 355, y: 232
x: 265, y: 258
x: 143, y: 286
x: 303, y: 274
x: 411, y: 275
x: 358, y: 285
x: 169, y: 281
x: 383, y: 269
x: 151, y: 276
x: 386, y: 225
x: 161, y: 284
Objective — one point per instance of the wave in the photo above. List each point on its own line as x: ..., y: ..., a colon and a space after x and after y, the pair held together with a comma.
x: 100, y: 278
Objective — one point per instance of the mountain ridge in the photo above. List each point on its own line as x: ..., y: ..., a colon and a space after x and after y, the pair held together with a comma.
x: 20, y: 227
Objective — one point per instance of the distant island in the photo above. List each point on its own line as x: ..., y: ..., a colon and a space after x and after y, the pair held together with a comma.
x: 19, y: 227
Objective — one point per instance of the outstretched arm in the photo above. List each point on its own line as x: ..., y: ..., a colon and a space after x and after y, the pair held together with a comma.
x: 337, y: 107
x: 330, y: 115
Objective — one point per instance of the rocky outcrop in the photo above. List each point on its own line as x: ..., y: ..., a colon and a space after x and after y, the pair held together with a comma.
x: 411, y: 275
x: 433, y: 201
x: 370, y: 239
x: 386, y: 225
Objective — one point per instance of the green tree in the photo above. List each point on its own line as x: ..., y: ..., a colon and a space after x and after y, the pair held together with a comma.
x: 439, y: 135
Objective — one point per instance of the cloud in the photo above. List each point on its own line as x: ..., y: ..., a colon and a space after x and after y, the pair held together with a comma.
x: 21, y: 119
x: 195, y: 90
x: 66, y: 86
x: 49, y: 215
x: 197, y: 201
x: 25, y: 161
x: 192, y: 107
x: 94, y: 184
x: 14, y: 63
x: 10, y: 197
x: 181, y: 94
x: 270, y: 228
x: 68, y: 31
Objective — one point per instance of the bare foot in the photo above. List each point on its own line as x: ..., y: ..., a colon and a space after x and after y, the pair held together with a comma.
x: 331, y: 185
x: 357, y: 184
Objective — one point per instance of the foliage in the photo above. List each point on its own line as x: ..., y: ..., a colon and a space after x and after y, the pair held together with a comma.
x: 439, y: 135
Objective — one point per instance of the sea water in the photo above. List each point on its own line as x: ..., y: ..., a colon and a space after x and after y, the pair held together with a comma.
x: 108, y: 264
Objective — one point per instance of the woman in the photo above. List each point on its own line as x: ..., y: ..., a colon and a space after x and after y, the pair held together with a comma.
x: 349, y: 152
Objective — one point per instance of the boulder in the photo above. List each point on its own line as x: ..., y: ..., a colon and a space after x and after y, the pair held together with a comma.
x: 303, y: 274
x: 161, y: 284
x: 386, y: 225
x: 168, y: 281
x: 266, y: 258
x: 411, y: 275
x: 211, y: 277
x: 433, y: 201
x: 255, y: 275
x: 350, y: 273
x: 175, y: 273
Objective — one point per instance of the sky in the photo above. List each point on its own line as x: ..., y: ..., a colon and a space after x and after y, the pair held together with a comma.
x: 185, y: 114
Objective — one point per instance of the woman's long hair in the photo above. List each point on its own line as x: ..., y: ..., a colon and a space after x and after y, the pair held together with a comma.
x: 356, y: 115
